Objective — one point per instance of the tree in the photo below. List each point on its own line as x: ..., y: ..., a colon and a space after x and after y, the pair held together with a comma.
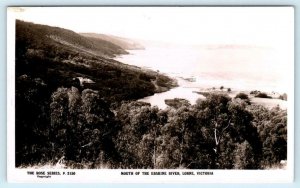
x: 221, y: 117
x: 147, y: 148
x: 31, y: 121
x: 272, y: 130
x: 64, y: 114
x: 244, y: 156
x: 82, y: 124
x: 136, y: 139
x: 174, y: 136
x: 182, y: 143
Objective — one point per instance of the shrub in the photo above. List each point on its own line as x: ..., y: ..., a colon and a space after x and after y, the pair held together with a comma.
x: 263, y: 95
x: 242, y: 96
x: 283, y: 97
x: 255, y: 92
x: 177, y: 102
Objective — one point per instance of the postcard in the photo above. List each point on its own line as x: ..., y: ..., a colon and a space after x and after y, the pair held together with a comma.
x: 150, y: 94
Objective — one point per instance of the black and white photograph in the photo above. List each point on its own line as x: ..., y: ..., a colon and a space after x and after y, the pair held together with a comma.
x: 150, y: 93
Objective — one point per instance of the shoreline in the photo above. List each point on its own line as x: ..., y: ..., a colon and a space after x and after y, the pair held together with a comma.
x: 186, y: 90
x: 188, y: 87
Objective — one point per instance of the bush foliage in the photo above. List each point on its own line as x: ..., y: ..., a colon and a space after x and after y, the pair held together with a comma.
x: 215, y: 133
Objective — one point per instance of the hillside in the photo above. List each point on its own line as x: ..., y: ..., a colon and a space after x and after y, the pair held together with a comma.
x: 125, y: 43
x: 59, y: 73
x: 36, y: 35
x: 59, y: 56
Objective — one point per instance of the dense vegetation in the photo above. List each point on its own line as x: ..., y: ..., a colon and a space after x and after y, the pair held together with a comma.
x: 60, y: 62
x: 100, y: 125
x: 215, y: 133
x: 48, y: 58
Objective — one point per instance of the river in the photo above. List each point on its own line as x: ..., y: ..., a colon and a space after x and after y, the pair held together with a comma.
x: 240, y: 68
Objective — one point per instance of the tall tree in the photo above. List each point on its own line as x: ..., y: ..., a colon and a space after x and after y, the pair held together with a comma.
x: 221, y: 117
x: 82, y: 124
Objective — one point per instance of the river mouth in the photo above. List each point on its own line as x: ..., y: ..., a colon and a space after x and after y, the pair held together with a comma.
x: 205, y: 70
x: 190, y: 92
x: 183, y: 91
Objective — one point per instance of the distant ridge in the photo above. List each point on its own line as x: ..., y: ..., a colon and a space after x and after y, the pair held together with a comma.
x: 127, y: 44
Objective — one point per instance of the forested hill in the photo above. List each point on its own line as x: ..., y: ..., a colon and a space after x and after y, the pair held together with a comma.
x: 127, y: 44
x: 36, y: 35
x: 59, y: 56
x: 56, y: 69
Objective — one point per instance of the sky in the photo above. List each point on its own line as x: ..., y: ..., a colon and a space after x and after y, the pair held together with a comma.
x: 262, y: 26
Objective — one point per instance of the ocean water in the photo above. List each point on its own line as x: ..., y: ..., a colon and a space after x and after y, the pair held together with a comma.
x: 240, y: 68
